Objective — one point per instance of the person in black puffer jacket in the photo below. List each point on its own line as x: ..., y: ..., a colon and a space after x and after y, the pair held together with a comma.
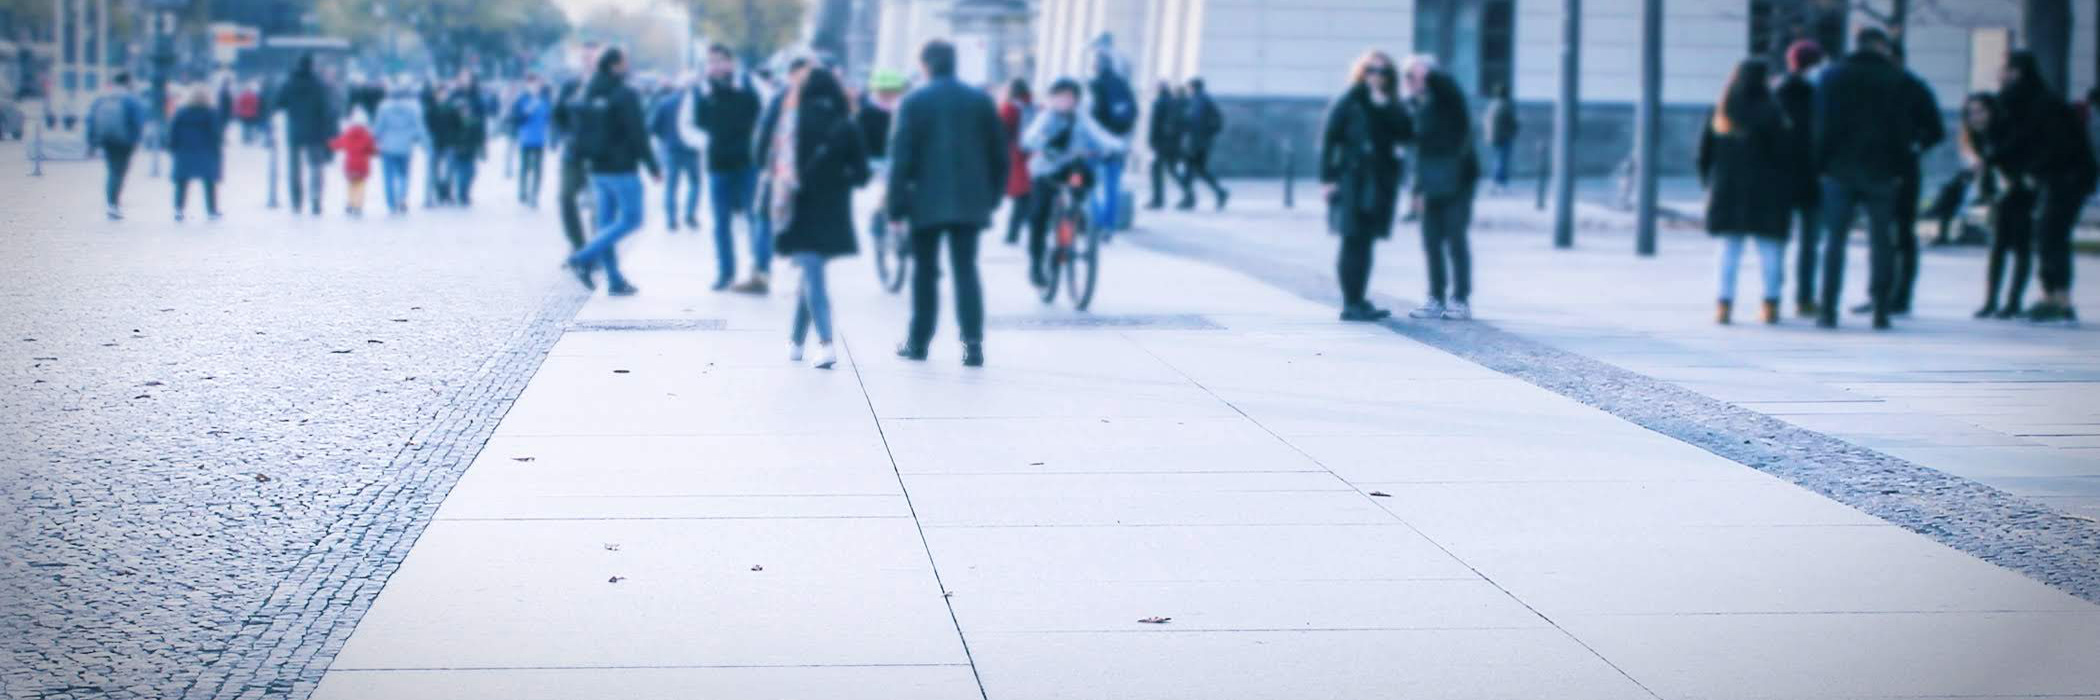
x: 1360, y: 171
x: 2045, y: 145
x: 1743, y: 162
x: 613, y: 141
x: 830, y: 159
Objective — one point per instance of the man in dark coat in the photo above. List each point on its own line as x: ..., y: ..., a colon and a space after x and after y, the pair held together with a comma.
x: 1796, y: 95
x: 310, y: 123
x: 728, y: 112
x: 1201, y: 124
x: 947, y: 172
x: 1866, y: 131
x: 1163, y: 134
x: 1930, y: 131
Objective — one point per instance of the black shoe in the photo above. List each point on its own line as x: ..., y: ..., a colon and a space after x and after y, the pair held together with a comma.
x: 1828, y: 319
x: 582, y: 273
x: 692, y: 223
x: 1881, y: 321
x: 721, y: 283
x: 1154, y: 204
x: 2008, y: 313
x: 1222, y: 196
x: 1863, y: 309
x: 1186, y: 204
x: 622, y: 289
x: 907, y: 351
x: 1988, y: 311
x: 973, y: 354
x: 672, y: 225
x: 1364, y: 312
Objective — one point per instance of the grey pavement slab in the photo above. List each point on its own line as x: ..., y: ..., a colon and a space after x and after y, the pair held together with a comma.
x: 940, y: 682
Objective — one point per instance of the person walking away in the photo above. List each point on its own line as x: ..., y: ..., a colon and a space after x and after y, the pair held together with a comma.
x: 947, y: 168
x: 1865, y: 128
x: 247, y: 107
x: 397, y: 129
x: 824, y: 160
x: 573, y: 181
x: 1115, y: 108
x: 1500, y: 122
x: 2011, y: 206
x: 1202, y: 123
x: 116, y: 122
x: 1360, y: 171
x: 1743, y: 162
x: 196, y: 144
x: 613, y: 141
x: 1163, y: 133
x: 1061, y: 141
x: 310, y: 122
x: 1447, y: 169
x: 470, y: 138
x: 766, y: 139
x: 727, y: 112
x: 535, y: 119
x: 358, y: 147
x: 681, y: 157
x: 1016, y: 112
x: 1910, y: 188
x: 1796, y: 96
x: 2044, y: 144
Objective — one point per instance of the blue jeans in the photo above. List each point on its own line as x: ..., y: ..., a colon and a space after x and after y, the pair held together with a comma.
x: 762, y: 230
x: 1771, y: 255
x: 1842, y: 201
x: 681, y: 164
x: 813, y: 303
x: 394, y: 170
x: 1108, y: 194
x: 1502, y: 152
x: 619, y: 210
x: 462, y: 175
x: 729, y: 192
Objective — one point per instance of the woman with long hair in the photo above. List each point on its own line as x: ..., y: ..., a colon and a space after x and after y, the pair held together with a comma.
x: 1447, y: 172
x: 2011, y: 206
x: 1743, y: 163
x: 1360, y: 171
x: 816, y: 164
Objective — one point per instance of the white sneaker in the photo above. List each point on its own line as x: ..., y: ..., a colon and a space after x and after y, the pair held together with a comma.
x: 1428, y: 309
x: 115, y: 214
x: 794, y: 352
x: 826, y: 356
x: 1458, y: 311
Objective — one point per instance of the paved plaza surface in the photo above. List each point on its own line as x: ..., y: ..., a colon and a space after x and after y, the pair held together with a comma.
x: 642, y: 498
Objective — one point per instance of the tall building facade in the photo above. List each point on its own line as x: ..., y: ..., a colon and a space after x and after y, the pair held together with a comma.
x: 1274, y: 64
x: 991, y: 37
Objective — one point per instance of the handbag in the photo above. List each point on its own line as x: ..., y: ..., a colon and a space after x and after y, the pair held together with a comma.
x: 1439, y: 176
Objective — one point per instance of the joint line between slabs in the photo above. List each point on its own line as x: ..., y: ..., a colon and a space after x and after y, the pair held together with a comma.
x: 853, y: 361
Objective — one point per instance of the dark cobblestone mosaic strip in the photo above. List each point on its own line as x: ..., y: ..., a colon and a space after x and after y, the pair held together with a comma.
x: 1125, y: 322
x: 284, y: 646
x: 2041, y: 543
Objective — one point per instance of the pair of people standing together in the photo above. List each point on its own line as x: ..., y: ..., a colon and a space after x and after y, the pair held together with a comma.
x: 1360, y: 169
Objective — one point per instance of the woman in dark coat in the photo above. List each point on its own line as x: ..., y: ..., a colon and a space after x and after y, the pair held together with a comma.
x: 1360, y: 170
x: 196, y: 140
x: 1447, y: 170
x: 2044, y: 144
x: 818, y: 172
x: 2011, y: 206
x: 1744, y: 163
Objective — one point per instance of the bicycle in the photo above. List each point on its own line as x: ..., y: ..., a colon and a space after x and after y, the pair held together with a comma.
x: 1075, y: 249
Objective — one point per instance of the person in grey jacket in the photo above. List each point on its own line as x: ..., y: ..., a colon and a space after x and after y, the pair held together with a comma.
x: 116, y: 122
x: 947, y: 171
x: 399, y: 128
x: 1061, y: 141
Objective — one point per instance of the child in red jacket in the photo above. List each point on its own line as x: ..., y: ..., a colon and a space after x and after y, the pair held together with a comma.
x: 358, y: 147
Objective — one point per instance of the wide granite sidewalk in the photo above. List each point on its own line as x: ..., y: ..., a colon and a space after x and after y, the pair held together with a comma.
x: 1317, y: 510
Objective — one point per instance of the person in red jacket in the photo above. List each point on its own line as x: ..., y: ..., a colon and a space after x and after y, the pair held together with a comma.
x: 358, y: 148
x: 1014, y: 113
x: 247, y: 107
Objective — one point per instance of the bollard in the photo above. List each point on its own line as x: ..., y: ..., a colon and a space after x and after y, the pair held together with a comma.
x: 270, y: 143
x: 1290, y: 175
x: 1545, y: 174
x: 36, y: 152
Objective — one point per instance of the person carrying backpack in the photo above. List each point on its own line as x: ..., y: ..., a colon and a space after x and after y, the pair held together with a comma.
x: 1116, y: 110
x: 116, y: 122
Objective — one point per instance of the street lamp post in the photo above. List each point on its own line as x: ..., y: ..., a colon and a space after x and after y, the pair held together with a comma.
x: 1647, y: 126
x: 1564, y: 124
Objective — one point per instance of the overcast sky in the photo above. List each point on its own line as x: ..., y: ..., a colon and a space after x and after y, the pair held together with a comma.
x: 578, y: 9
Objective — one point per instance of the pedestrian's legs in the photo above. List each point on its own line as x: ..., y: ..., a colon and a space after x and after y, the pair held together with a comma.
x: 1434, y: 242
x: 2057, y: 206
x: 1199, y: 164
x: 1880, y: 203
x: 1019, y: 211
x: 969, y: 290
x: 814, y: 305
x: 1108, y: 192
x: 529, y: 175
x: 116, y: 160
x: 692, y: 192
x: 463, y: 176
x: 1458, y: 222
x: 1352, y: 269
x: 1041, y: 200
x: 1810, y: 226
x: 572, y: 189
x: 1731, y: 260
x: 761, y: 237
x: 1905, y: 238
x: 673, y: 168
x: 1162, y: 168
x: 211, y: 197
x: 433, y: 178
x: 317, y: 173
x: 1839, y: 205
x: 1186, y: 178
x: 1771, y: 254
x: 619, y: 209
x: 295, y: 175
x: 925, y: 286
x: 1502, y: 152
x: 356, y: 195
x: 182, y: 189
x: 724, y: 196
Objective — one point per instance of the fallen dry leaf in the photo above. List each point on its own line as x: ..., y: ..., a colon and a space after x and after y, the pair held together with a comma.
x: 262, y: 478
x: 1381, y: 494
x: 616, y: 579
x: 758, y: 567
x: 610, y: 547
x: 523, y: 459
x: 1156, y: 620
x: 621, y: 371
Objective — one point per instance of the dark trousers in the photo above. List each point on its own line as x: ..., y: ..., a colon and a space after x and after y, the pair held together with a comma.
x: 116, y: 159
x: 1842, y: 201
x: 1196, y: 164
x: 681, y: 165
x: 1445, y: 221
x: 1353, y: 268
x: 926, y: 282
x: 574, y: 185
x: 1810, y: 231
x: 2057, y: 205
x: 1164, y: 166
x: 1020, y: 210
x: 530, y: 160
x: 211, y: 194
x: 1908, y: 190
x: 309, y: 168
x: 2012, y: 238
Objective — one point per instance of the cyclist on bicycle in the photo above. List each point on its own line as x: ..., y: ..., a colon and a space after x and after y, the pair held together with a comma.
x: 1061, y: 141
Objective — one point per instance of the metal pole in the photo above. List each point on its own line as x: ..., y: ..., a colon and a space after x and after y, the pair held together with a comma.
x: 1647, y: 127
x: 79, y: 56
x: 58, y: 59
x: 1564, y: 124
x: 1290, y: 175
x: 36, y: 150
x: 102, y: 73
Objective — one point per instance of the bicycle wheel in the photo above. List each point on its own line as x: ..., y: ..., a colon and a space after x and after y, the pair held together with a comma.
x: 1085, y: 263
